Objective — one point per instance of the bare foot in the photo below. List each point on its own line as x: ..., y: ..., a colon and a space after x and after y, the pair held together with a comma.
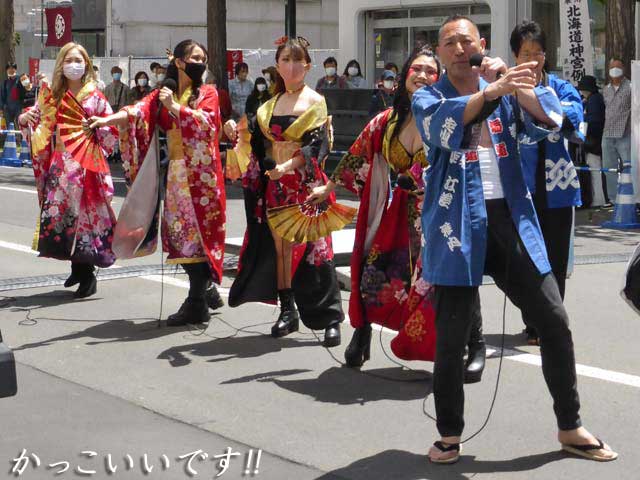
x: 581, y: 437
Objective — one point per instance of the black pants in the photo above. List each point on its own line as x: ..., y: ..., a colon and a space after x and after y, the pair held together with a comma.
x: 556, y: 225
x: 536, y: 295
x: 199, y: 279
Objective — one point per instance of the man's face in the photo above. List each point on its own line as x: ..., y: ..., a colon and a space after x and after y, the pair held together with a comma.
x: 616, y: 64
x: 11, y: 72
x: 458, y: 41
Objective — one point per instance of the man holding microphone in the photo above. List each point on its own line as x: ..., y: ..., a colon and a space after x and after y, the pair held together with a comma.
x: 478, y: 218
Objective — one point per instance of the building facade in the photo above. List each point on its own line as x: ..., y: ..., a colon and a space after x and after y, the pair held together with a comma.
x: 380, y: 31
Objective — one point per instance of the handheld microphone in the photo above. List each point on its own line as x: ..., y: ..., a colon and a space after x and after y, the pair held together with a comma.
x: 476, y: 60
x: 172, y: 85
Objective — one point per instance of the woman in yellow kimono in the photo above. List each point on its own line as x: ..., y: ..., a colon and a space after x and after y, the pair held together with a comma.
x: 288, y: 145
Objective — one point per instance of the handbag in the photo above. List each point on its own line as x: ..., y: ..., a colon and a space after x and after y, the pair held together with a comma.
x: 8, y: 382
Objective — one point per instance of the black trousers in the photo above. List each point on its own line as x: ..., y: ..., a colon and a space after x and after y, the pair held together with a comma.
x: 556, y: 225
x: 199, y: 279
x: 536, y: 295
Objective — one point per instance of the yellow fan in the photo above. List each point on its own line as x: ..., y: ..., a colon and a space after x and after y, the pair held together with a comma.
x: 307, y: 222
x: 42, y: 133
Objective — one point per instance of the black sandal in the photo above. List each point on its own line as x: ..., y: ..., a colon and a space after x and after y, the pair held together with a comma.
x: 589, y: 451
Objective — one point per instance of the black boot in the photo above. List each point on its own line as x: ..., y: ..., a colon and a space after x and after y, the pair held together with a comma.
x: 359, y: 349
x: 74, y: 278
x: 289, y: 319
x: 213, y: 298
x: 192, y: 311
x: 474, y: 365
x: 332, y: 335
x: 88, y: 282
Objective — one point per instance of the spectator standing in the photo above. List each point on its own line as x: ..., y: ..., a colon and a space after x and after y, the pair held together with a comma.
x: 616, y: 137
x: 117, y: 93
x: 331, y: 78
x: 11, y: 94
x: 30, y: 92
x: 259, y: 96
x: 594, y: 115
x: 271, y: 75
x: 384, y: 96
x: 352, y: 75
x: 141, y: 88
x: 239, y: 89
x: 100, y: 83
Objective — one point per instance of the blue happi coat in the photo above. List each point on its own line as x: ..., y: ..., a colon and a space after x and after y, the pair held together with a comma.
x: 454, y: 216
x: 562, y: 185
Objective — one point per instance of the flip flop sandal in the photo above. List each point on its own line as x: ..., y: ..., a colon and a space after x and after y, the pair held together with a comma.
x: 589, y: 451
x: 454, y: 447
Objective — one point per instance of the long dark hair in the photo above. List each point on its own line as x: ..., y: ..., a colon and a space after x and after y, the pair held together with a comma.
x: 182, y: 51
x: 299, y: 51
x: 352, y: 63
x: 402, y: 102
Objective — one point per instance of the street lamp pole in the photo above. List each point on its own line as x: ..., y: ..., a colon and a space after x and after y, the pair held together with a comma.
x: 290, y: 18
x: 41, y: 28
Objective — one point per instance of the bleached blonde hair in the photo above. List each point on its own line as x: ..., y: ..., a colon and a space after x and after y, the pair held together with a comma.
x: 59, y: 81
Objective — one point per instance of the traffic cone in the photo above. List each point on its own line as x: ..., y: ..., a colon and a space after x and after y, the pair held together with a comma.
x: 25, y: 153
x: 10, y: 153
x: 624, y: 213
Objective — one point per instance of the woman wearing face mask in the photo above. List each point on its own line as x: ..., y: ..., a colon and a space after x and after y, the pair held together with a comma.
x: 193, y: 221
x: 238, y: 158
x: 271, y: 75
x: 387, y: 285
x: 142, y: 88
x: 31, y: 93
x: 547, y: 166
x: 352, y: 76
x: 76, y: 219
x: 291, y: 132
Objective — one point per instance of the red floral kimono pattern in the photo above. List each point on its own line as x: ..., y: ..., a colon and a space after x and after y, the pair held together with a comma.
x: 76, y: 219
x: 314, y: 278
x: 386, y: 285
x: 193, y: 223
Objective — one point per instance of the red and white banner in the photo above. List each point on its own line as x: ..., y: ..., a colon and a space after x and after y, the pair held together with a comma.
x: 58, y: 26
x: 34, y: 68
x: 234, y: 57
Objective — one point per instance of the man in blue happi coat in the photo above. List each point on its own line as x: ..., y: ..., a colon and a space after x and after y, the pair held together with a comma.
x: 478, y: 218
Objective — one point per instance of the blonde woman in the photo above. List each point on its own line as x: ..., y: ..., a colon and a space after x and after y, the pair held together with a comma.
x: 76, y: 218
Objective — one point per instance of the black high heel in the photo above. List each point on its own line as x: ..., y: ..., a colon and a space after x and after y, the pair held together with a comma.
x: 289, y: 318
x: 359, y: 349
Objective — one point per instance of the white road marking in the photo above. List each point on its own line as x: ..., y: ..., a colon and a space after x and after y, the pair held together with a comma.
x: 21, y: 190
x: 527, y: 358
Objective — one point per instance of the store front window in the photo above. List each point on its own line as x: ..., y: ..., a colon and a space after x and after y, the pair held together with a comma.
x: 399, y: 32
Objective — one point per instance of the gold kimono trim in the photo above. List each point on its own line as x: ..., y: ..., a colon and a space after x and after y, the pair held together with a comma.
x: 174, y: 261
x: 174, y: 142
x: 314, y: 117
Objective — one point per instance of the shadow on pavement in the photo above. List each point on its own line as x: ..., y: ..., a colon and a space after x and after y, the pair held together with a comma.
x: 345, y: 386
x: 227, y: 348
x: 400, y: 465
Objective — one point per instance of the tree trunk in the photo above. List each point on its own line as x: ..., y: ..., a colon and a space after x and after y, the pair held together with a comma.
x: 217, y: 40
x: 7, y: 45
x: 620, y: 32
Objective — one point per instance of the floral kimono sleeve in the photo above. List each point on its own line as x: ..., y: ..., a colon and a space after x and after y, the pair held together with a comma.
x: 107, y: 136
x: 202, y: 122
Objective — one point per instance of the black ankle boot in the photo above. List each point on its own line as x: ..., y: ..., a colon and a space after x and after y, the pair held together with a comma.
x: 332, y: 336
x: 213, y: 298
x: 289, y: 319
x: 475, y: 362
x: 74, y: 278
x: 192, y: 311
x: 359, y: 349
x: 88, y: 282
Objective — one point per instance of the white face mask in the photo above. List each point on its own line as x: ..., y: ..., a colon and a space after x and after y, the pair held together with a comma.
x: 330, y: 71
x: 352, y: 71
x: 73, y: 71
x: 616, y: 72
x: 161, y: 77
x: 25, y: 83
x: 261, y: 87
x: 142, y: 82
x: 388, y: 84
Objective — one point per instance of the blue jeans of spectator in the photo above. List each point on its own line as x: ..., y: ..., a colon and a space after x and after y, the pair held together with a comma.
x: 615, y: 150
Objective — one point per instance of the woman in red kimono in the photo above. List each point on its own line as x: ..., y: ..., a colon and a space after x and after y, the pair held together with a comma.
x: 76, y: 219
x: 289, y: 143
x: 193, y: 220
x: 387, y: 287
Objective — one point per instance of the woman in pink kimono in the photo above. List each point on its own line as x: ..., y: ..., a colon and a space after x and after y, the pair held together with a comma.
x: 73, y: 181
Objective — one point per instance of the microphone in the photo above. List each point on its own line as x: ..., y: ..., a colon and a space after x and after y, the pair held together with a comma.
x: 172, y: 85
x: 476, y: 60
